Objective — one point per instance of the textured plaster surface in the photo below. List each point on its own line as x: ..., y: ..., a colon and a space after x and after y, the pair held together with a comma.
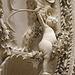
x: 19, y: 21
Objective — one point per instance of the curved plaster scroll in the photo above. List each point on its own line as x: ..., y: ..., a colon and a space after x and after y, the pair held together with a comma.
x: 41, y: 5
x: 45, y: 10
x: 31, y: 30
x: 39, y: 9
x: 17, y: 66
x: 37, y: 1
x: 51, y: 1
x: 47, y: 14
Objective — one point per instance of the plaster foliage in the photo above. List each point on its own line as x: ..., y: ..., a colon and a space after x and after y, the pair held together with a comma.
x: 42, y: 42
x: 6, y: 37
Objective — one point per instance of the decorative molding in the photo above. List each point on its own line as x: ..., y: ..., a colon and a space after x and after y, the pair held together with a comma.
x: 39, y: 41
x: 65, y: 59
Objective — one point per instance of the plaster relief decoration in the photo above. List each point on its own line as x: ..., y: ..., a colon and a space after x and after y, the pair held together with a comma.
x: 6, y: 37
x: 66, y: 60
x: 41, y: 43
